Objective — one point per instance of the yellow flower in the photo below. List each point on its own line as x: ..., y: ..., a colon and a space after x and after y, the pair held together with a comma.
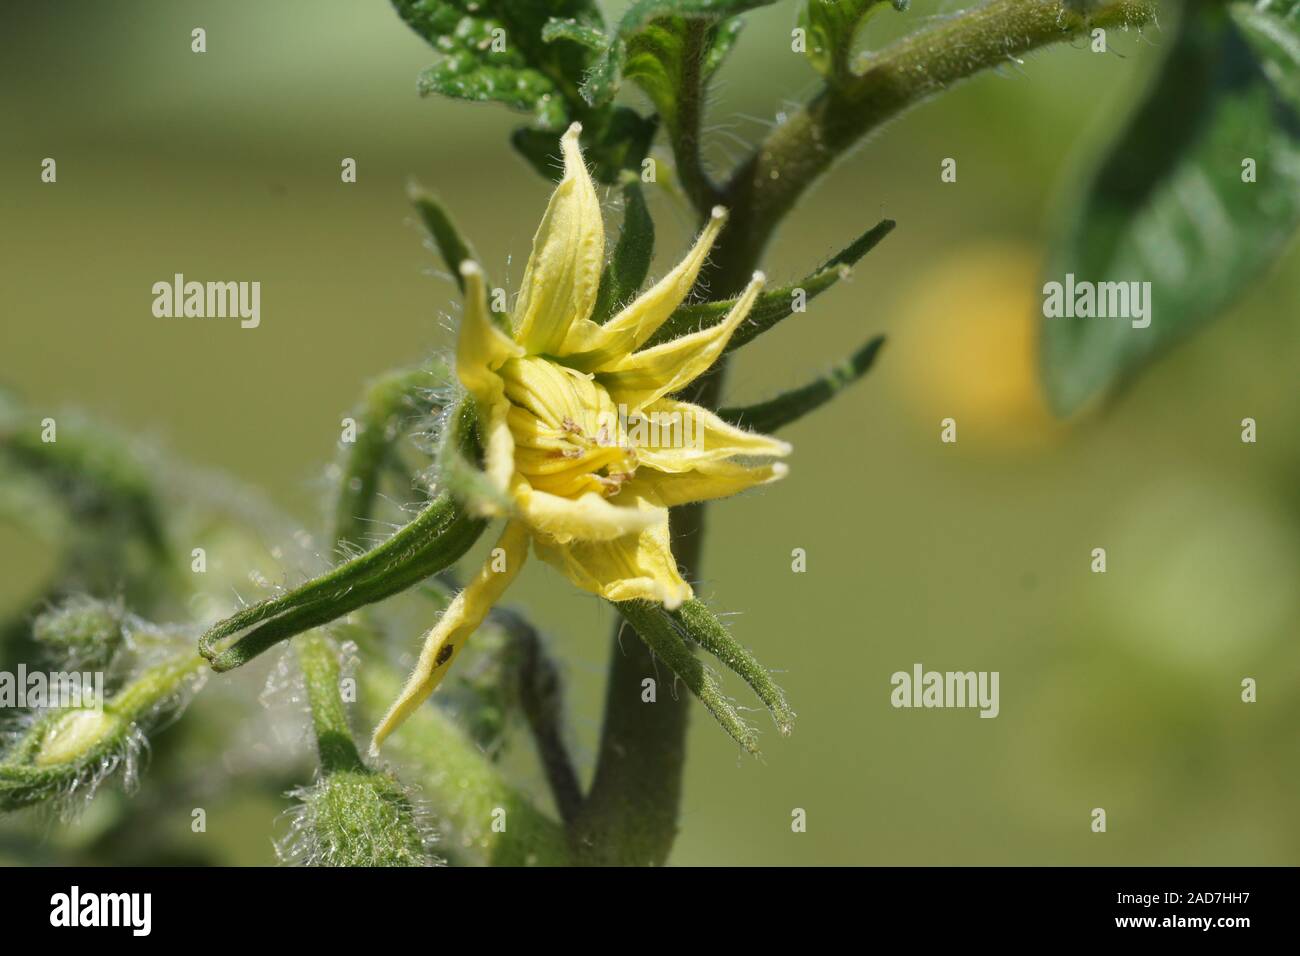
x: 574, y: 415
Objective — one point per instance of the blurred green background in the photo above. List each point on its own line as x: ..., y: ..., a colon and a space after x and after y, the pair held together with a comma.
x: 1119, y: 691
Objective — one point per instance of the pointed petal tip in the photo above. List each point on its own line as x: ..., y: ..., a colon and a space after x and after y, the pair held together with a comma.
x: 573, y: 132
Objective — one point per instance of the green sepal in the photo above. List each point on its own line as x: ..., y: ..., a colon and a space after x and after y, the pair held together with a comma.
x: 458, y: 470
x: 452, y: 246
x: 627, y: 269
x: 390, y: 401
x: 793, y: 405
x: 774, y: 306
x: 666, y: 633
x: 662, y: 635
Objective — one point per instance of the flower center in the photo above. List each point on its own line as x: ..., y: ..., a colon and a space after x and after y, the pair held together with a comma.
x: 569, y: 438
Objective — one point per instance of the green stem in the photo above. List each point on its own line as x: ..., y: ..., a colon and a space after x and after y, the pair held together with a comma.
x: 796, y: 153
x: 541, y: 693
x: 318, y: 658
x: 631, y: 811
x: 466, y: 791
x: 684, y: 132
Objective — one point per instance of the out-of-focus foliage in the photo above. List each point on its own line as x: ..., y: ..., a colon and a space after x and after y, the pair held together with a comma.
x: 1198, y: 195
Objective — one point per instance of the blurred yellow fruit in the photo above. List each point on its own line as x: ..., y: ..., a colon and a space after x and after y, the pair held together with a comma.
x: 967, y: 342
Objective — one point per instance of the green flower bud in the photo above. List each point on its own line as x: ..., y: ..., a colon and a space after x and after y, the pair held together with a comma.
x: 74, y: 734
x: 81, y: 631
x: 67, y: 754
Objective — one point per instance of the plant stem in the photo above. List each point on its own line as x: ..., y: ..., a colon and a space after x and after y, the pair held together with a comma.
x: 684, y: 132
x: 630, y: 814
x: 318, y: 658
x: 542, y: 700
x: 796, y: 153
x: 466, y: 792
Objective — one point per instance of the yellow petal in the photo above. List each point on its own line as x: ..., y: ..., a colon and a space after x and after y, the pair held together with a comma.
x: 644, y: 376
x: 563, y: 273
x: 634, y: 567
x: 701, y: 436
x: 458, y: 622
x: 481, y: 349
x: 591, y: 347
x: 588, y: 517
x: 710, y: 480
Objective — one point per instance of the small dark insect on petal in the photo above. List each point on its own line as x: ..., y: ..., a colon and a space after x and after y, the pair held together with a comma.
x: 444, y: 655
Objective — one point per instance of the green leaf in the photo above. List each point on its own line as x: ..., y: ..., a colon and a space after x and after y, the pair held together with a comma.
x: 1168, y: 205
x: 795, y: 404
x: 831, y: 26
x: 627, y: 268
x: 1272, y: 29
x: 575, y: 32
x: 652, y: 46
x: 496, y: 50
x: 774, y: 306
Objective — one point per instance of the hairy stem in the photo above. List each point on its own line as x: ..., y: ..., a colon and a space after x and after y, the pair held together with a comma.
x: 630, y: 815
x: 484, y: 819
x: 796, y: 153
x: 318, y: 658
x: 541, y: 691
x: 685, y: 131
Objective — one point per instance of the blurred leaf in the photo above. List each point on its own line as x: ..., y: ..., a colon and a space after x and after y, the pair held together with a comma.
x: 1168, y: 204
x: 495, y: 50
x: 831, y: 26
